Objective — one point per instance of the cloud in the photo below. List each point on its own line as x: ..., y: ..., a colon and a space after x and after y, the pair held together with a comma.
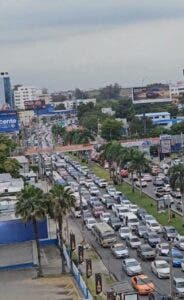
x: 84, y: 43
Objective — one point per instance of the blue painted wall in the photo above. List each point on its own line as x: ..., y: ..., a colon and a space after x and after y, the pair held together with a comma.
x: 15, y: 231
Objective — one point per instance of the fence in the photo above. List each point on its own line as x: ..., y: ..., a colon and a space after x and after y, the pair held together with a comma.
x: 80, y: 282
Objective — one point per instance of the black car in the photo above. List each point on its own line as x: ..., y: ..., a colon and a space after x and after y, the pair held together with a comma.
x: 114, y: 222
x: 152, y: 238
x: 146, y: 252
x: 160, y: 192
x: 140, y: 213
x: 140, y: 230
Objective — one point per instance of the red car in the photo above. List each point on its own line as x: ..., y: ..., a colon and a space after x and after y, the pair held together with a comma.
x: 124, y: 173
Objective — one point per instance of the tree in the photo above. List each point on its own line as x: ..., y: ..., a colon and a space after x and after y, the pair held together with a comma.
x: 90, y: 122
x: 177, y: 128
x: 32, y: 207
x: 138, y: 163
x: 177, y: 181
x: 60, y: 106
x: 12, y: 166
x: 111, y: 129
x: 110, y: 92
x: 140, y: 127
x: 124, y: 109
x: 61, y: 200
x: 79, y: 94
x: 85, y: 108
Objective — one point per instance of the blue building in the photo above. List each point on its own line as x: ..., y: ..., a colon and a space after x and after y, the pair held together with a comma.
x: 6, y: 97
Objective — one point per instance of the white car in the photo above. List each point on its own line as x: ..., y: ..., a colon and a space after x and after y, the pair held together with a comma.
x: 182, y: 266
x: 142, y: 183
x: 160, y: 268
x: 147, y: 177
x: 115, y: 207
x: 133, y: 208
x: 102, y: 183
x: 104, y: 217
x: 167, y: 188
x: 90, y: 222
x: 104, y: 197
x: 88, y: 182
x: 153, y: 226
x: 124, y: 232
x: 133, y: 241
x: 121, y: 212
x: 162, y: 249
x: 111, y: 191
x: 179, y: 242
x: 94, y: 191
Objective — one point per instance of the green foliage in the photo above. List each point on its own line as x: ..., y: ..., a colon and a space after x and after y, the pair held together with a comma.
x: 124, y: 109
x: 140, y: 127
x: 8, y: 164
x: 177, y: 177
x: 177, y: 128
x: 79, y: 94
x: 90, y: 122
x: 111, y: 129
x: 12, y: 166
x: 110, y: 92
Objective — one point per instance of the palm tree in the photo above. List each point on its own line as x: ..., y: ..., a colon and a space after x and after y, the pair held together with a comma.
x: 177, y: 181
x: 138, y: 163
x: 61, y: 200
x: 32, y: 207
x: 12, y: 166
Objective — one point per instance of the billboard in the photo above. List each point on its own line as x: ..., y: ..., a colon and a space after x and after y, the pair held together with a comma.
x: 8, y: 121
x: 153, y: 93
x: 165, y: 144
x: 34, y: 104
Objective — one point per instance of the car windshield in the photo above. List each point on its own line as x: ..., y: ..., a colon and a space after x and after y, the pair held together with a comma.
x: 124, y: 230
x: 165, y: 247
x: 153, y: 236
x: 143, y: 281
x: 171, y: 230
x: 132, y: 264
x: 119, y: 247
x: 142, y: 228
x: 182, y: 240
x: 177, y: 255
x: 180, y: 284
x: 134, y: 240
x: 133, y: 221
x: 91, y: 221
x: 154, y: 225
x: 106, y: 215
x: 147, y: 249
x: 162, y: 265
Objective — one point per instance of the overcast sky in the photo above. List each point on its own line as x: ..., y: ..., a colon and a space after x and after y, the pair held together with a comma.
x: 63, y: 44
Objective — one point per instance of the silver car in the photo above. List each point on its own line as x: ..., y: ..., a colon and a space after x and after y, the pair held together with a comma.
x: 133, y: 241
x: 160, y: 268
x: 124, y: 232
x: 131, y: 266
x: 119, y: 250
x: 179, y: 242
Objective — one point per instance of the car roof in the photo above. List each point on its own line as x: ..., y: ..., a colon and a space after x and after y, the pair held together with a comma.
x: 179, y: 279
x: 159, y: 262
x: 130, y: 259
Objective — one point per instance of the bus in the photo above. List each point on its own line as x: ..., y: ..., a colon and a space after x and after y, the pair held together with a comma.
x: 104, y: 234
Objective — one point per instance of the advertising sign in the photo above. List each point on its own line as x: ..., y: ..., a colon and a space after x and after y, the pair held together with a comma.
x: 80, y: 254
x: 8, y: 121
x: 88, y: 268
x: 98, y: 283
x: 165, y: 144
x: 29, y: 105
x: 153, y: 93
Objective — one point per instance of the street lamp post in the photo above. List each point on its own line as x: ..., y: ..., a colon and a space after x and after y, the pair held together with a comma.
x: 171, y: 269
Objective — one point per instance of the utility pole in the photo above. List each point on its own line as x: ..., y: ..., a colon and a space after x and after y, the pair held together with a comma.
x: 81, y: 206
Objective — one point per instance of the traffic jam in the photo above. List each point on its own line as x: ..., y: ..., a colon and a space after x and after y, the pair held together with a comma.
x: 131, y: 243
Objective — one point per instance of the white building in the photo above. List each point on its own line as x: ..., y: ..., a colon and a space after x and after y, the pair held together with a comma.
x: 156, y: 116
x: 24, y: 94
x: 177, y: 89
x: 69, y: 104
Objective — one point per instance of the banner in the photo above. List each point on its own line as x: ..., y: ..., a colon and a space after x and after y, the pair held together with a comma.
x: 98, y: 283
x: 152, y: 93
x: 80, y: 254
x: 9, y: 121
x: 88, y: 268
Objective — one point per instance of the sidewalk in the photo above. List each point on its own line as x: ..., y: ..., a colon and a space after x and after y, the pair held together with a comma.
x: 89, y: 253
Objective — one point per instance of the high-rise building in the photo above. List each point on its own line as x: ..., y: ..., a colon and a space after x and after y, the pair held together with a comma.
x: 27, y: 97
x: 6, y: 97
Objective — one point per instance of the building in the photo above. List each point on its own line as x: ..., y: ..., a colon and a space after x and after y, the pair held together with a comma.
x: 155, y: 116
x: 177, y: 90
x: 29, y: 97
x: 25, y: 117
x: 9, y: 185
x: 23, y: 162
x: 6, y: 97
x: 70, y: 104
x: 108, y: 111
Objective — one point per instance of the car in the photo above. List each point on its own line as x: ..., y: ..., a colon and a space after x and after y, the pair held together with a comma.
x: 176, y: 194
x: 120, y: 250
x: 109, y: 202
x: 133, y: 241
x: 146, y: 252
x: 177, y: 258
x: 90, y: 222
x: 179, y: 206
x: 117, y: 195
x: 86, y: 215
x: 104, y: 217
x: 147, y: 218
x: 167, y: 188
x: 160, y: 268
x: 147, y: 177
x: 124, y: 173
x: 131, y: 266
x: 152, y: 238
x: 102, y: 183
x: 141, y: 183
x: 124, y: 232
x: 142, y: 284
x: 121, y: 212
x: 92, y: 200
x: 133, y: 208
x: 93, y: 191
x: 97, y: 210
x: 162, y: 249
x: 179, y: 242
x: 141, y: 213
x: 88, y: 183
x: 115, y: 206
x: 182, y: 266
x: 169, y: 233
x: 160, y: 192
x: 114, y: 222
x: 111, y: 191
x: 104, y: 197
x: 140, y: 230
x: 158, y: 182
x: 153, y: 226
x: 178, y: 286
